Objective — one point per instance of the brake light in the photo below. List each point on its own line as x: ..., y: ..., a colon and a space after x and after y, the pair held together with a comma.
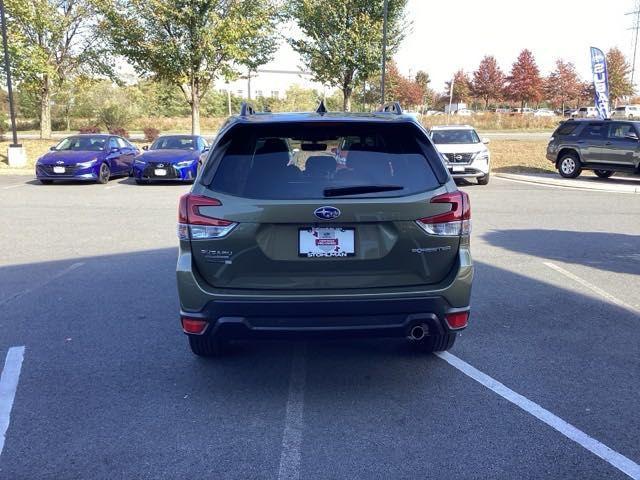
x: 194, y: 225
x: 455, y: 222
x: 457, y: 320
x: 194, y: 326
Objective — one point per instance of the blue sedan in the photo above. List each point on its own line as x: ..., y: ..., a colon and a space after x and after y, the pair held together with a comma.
x: 93, y: 158
x: 170, y: 157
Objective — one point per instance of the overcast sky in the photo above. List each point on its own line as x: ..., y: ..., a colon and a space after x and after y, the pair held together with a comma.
x: 453, y: 34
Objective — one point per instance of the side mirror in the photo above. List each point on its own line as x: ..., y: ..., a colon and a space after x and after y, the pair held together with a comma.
x: 485, y: 140
x: 205, y: 149
x: 53, y: 149
x: 145, y: 147
x: 114, y: 150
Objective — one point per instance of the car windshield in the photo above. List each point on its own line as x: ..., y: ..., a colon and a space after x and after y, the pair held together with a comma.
x: 620, y: 109
x: 318, y: 161
x: 174, y: 143
x: 455, y: 136
x: 82, y: 143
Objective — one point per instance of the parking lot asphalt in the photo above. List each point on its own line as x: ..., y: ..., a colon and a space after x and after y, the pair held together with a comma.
x: 108, y: 389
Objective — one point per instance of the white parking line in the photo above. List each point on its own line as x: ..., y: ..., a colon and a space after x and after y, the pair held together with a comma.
x: 610, y: 456
x: 14, y: 186
x: 293, y: 422
x: 8, y: 386
x: 593, y: 288
x: 41, y: 284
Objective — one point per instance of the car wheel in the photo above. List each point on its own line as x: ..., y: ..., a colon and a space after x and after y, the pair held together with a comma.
x: 603, y: 173
x: 484, y: 180
x: 104, y: 174
x: 208, y: 345
x: 46, y: 182
x: 569, y: 166
x: 435, y: 343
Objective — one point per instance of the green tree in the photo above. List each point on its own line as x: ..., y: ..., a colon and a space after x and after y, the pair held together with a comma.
x: 51, y: 41
x: 191, y: 43
x: 619, y: 72
x: 461, y: 87
x: 341, y: 40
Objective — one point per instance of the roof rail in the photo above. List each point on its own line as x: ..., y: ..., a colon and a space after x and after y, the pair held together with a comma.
x: 391, y: 107
x: 246, y: 109
x: 321, y: 108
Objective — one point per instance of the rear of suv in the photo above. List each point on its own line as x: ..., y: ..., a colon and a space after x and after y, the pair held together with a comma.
x: 604, y: 146
x: 286, y: 232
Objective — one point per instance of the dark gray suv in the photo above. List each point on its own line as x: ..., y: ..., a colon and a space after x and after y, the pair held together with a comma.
x: 604, y: 146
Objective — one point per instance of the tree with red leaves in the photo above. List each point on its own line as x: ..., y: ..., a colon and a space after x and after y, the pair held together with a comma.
x: 488, y: 81
x: 525, y: 85
x: 563, y: 85
x: 403, y: 89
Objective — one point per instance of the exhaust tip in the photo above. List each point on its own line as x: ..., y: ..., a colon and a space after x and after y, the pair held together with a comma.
x: 417, y: 332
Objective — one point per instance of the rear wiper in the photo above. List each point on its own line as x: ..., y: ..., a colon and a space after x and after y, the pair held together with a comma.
x: 358, y: 189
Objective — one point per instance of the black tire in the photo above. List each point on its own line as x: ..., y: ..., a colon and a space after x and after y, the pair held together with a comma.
x: 435, y: 343
x: 208, y: 345
x: 46, y: 182
x: 603, y: 173
x: 569, y: 165
x: 104, y: 174
x: 484, y: 180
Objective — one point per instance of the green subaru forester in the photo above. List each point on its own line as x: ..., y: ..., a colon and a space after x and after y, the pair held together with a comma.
x: 310, y: 224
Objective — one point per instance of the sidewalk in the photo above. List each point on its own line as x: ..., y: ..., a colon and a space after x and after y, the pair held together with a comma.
x: 615, y: 184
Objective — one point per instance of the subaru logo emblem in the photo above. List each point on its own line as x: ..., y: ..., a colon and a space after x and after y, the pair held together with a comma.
x: 327, y: 213
x: 161, y: 165
x: 59, y: 162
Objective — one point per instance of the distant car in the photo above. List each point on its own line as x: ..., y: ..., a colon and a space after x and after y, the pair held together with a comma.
x: 88, y: 158
x: 586, y: 112
x: 170, y: 157
x: 628, y: 112
x: 430, y: 113
x: 503, y: 110
x: 604, y: 146
x: 463, y: 112
x: 544, y: 112
x: 464, y: 153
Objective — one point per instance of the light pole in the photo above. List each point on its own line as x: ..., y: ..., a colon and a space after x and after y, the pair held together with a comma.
x: 384, y: 49
x: 7, y: 68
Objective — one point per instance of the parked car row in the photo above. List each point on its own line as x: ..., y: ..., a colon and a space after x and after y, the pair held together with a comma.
x: 100, y: 157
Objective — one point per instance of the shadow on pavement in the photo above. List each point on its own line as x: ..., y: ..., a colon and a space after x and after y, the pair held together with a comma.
x: 614, y: 252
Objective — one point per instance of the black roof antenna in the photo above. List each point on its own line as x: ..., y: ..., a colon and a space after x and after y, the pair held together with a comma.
x: 321, y: 108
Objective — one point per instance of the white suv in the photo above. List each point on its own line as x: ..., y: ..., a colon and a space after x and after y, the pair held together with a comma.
x: 464, y: 153
x: 586, y: 112
x: 628, y: 112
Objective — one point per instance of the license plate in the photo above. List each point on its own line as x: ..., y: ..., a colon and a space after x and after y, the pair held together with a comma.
x: 160, y: 172
x: 323, y: 242
x: 59, y: 170
x: 457, y: 169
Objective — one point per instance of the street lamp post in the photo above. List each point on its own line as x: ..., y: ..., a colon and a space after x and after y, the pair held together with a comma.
x: 16, y: 155
x: 384, y: 49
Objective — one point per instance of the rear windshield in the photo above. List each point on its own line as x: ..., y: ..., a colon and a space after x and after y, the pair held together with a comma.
x: 321, y: 160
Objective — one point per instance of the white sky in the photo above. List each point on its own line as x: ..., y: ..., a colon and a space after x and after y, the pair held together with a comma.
x: 447, y: 35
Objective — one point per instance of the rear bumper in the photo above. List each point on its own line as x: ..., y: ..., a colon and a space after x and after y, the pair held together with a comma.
x: 343, y: 318
x: 361, y: 312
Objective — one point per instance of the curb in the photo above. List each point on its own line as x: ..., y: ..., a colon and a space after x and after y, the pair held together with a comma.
x: 567, y: 184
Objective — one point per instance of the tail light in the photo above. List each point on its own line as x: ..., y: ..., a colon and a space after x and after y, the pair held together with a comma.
x: 455, y: 222
x: 194, y: 225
